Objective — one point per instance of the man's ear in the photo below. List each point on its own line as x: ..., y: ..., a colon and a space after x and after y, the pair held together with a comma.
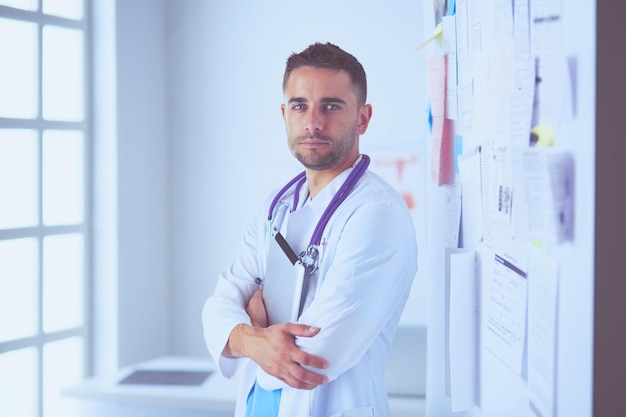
x: 365, y: 114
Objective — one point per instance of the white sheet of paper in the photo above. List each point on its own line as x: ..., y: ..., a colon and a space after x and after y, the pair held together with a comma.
x: 503, y: 19
x: 452, y: 207
x: 462, y: 37
x: 471, y: 203
x: 449, y: 48
x: 505, y: 333
x: 486, y: 172
x: 553, y: 91
x: 546, y: 9
x: 542, y: 333
x: 522, y: 101
x: 492, y: 86
x: 475, y: 23
x: 502, y: 185
x: 461, y: 328
x: 544, y: 184
x: 465, y: 70
x: 521, y: 40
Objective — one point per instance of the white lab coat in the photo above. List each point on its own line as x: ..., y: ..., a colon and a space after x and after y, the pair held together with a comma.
x: 367, y: 264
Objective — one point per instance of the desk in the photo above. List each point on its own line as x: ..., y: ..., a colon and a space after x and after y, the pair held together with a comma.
x: 102, y: 396
x: 105, y: 397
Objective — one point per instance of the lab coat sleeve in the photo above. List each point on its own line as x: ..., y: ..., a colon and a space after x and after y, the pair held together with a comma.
x: 372, y: 266
x: 226, y: 307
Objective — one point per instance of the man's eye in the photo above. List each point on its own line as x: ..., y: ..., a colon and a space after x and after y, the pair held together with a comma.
x: 332, y: 107
x: 298, y: 107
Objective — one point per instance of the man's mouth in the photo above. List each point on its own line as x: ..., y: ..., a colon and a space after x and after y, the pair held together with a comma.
x: 314, y: 140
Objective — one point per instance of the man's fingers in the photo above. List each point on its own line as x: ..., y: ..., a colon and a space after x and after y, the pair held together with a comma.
x: 304, y: 358
x: 309, y: 360
x: 302, y: 330
x: 308, y: 377
x: 303, y: 379
x: 298, y: 377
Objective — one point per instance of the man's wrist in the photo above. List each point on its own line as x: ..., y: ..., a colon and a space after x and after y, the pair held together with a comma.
x: 236, y: 346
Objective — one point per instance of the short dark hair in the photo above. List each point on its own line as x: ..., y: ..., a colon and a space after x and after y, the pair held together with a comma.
x: 330, y: 56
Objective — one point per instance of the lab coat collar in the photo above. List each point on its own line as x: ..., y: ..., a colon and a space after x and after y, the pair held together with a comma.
x: 323, y: 198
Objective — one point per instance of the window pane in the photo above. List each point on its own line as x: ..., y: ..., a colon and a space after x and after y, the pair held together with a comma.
x: 72, y: 9
x: 30, y: 5
x: 18, y: 289
x: 18, y: 178
x: 63, y: 177
x: 18, y: 383
x: 19, y: 83
x: 62, y: 367
x: 62, y: 282
x: 63, y: 69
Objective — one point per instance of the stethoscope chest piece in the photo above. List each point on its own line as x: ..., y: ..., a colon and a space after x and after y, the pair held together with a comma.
x: 310, y: 257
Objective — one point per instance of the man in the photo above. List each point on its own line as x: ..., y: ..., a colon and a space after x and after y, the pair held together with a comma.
x: 331, y: 361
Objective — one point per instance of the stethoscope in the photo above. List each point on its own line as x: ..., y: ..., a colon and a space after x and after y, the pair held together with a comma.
x: 310, y: 256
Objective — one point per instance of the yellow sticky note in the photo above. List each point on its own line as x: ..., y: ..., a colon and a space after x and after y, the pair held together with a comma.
x: 545, y: 135
x: 438, y: 33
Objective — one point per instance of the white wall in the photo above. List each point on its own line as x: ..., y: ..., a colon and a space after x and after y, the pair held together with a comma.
x: 227, y: 139
x: 190, y: 141
x: 131, y: 317
x: 143, y: 168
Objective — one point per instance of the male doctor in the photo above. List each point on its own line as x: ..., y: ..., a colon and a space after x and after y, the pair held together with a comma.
x: 331, y: 360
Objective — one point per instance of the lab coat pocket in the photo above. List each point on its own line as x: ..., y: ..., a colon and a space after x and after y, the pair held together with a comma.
x: 356, y: 412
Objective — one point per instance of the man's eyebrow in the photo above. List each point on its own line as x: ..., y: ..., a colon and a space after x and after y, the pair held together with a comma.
x: 333, y: 100
x: 324, y: 100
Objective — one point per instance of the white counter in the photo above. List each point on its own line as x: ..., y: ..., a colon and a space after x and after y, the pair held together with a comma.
x: 213, y: 398
x: 104, y: 397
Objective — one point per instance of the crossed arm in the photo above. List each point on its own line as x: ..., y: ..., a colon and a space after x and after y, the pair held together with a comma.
x: 273, y: 347
x: 369, y: 259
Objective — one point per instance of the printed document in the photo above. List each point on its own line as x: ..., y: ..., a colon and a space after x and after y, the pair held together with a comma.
x: 505, y: 333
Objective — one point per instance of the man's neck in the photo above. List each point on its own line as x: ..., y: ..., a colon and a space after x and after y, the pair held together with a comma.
x: 317, y: 180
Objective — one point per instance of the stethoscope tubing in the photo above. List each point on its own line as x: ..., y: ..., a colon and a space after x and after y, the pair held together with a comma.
x: 336, y: 201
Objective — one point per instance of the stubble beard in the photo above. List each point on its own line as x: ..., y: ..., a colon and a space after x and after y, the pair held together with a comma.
x: 340, y: 150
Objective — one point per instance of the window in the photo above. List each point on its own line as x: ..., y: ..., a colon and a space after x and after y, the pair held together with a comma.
x: 44, y: 203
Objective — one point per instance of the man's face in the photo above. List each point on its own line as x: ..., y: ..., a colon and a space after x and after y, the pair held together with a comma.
x: 322, y: 117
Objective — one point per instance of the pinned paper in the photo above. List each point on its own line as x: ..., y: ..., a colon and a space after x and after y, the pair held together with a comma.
x: 471, y: 204
x: 462, y: 328
x: 542, y: 333
x: 442, y: 169
x: 505, y: 331
x: 544, y: 203
x: 437, y: 35
x: 542, y: 136
x: 449, y: 48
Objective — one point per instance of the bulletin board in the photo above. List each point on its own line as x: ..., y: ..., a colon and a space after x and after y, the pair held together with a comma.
x: 510, y: 206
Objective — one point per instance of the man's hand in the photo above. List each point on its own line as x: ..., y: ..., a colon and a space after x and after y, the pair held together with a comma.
x: 274, y: 349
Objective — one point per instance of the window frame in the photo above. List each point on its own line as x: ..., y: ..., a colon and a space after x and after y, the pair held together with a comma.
x: 40, y: 231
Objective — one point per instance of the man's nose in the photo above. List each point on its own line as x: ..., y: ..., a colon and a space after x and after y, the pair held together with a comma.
x: 314, y: 121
